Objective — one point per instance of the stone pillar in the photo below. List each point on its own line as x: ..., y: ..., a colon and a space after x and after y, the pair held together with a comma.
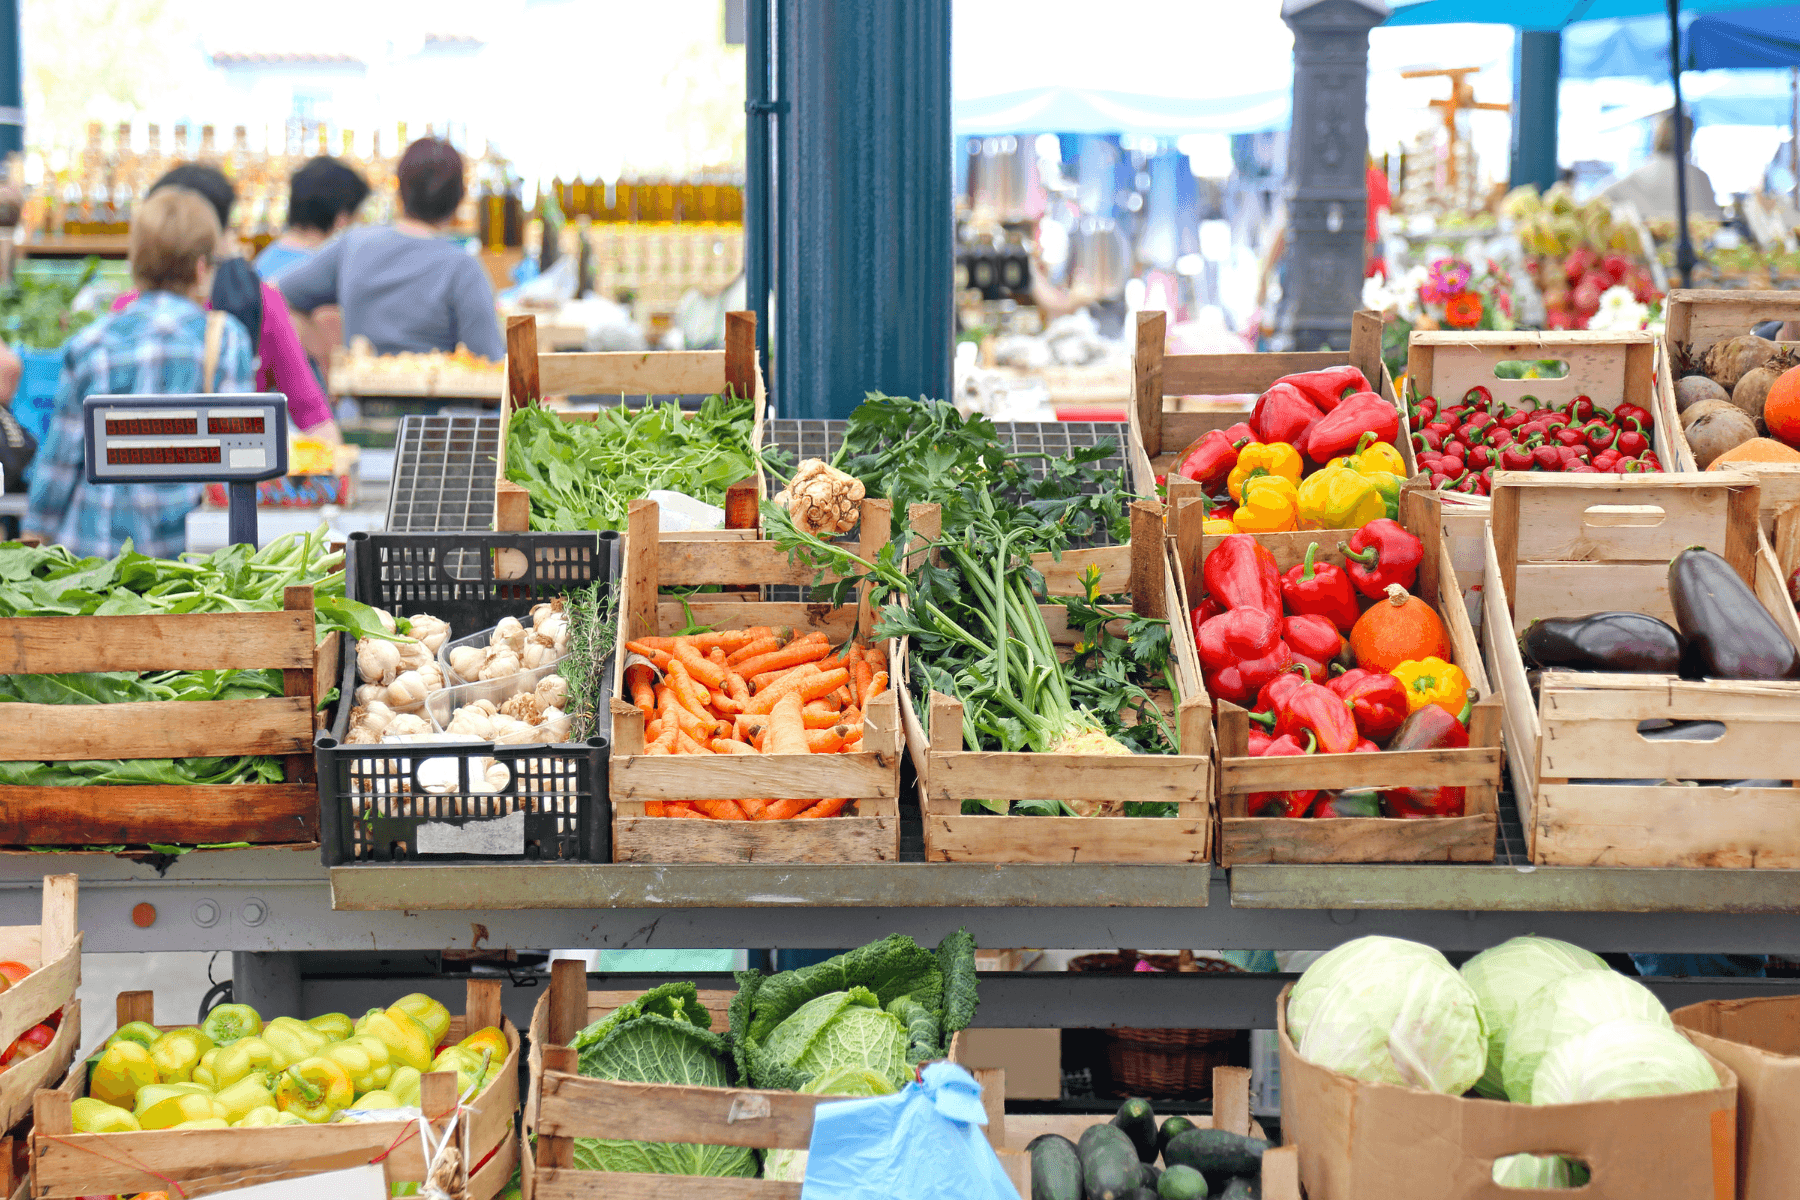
x: 1327, y: 148
x: 1537, y: 71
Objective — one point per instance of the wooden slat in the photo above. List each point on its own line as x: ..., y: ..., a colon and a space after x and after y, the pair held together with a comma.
x: 755, y: 777
x: 206, y: 1161
x: 50, y: 985
x: 996, y: 775
x: 1149, y: 560
x: 633, y: 373
x: 566, y: 1184
x: 689, y: 563
x: 156, y: 729
x: 190, y: 642
x: 512, y: 507
x: 43, y: 1069
x: 740, y: 354
x: 1237, y: 374
x: 839, y: 839
x: 1147, y: 380
x: 1474, y: 766
x: 577, y: 1106
x: 643, y: 565
x: 1355, y: 839
x: 956, y: 838
x: 101, y: 815
x: 1630, y: 826
x: 522, y: 386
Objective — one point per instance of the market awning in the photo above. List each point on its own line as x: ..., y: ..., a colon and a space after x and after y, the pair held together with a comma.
x: 1085, y: 110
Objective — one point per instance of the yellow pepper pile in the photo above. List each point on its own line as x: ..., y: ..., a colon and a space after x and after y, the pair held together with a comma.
x: 234, y: 1071
x: 1274, y: 494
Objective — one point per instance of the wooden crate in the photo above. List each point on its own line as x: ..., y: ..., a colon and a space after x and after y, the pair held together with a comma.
x: 870, y: 779
x: 1468, y: 838
x: 561, y: 1105
x: 1607, y: 367
x: 66, y: 1165
x: 278, y: 813
x: 1696, y: 318
x: 1563, y: 546
x: 949, y: 773
x: 530, y: 376
x: 53, y: 949
x: 1224, y: 387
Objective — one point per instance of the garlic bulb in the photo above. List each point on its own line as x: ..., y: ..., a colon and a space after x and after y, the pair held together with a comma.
x: 510, y: 633
x: 497, y: 776
x: 431, y: 631
x: 470, y: 721
x: 467, y: 661
x: 377, y: 661
x: 413, y: 654
x: 536, y: 655
x: 485, y: 705
x: 407, y: 692
x: 370, y: 691
x: 512, y: 732
x: 406, y: 725
x: 553, y: 691
x: 524, y: 707
x: 540, y: 611
x: 499, y: 665
x: 433, y: 675
x: 555, y: 725
x: 361, y: 735
x: 387, y: 620
x: 376, y: 716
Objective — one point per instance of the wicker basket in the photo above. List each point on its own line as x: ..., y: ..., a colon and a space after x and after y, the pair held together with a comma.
x: 1163, y: 1062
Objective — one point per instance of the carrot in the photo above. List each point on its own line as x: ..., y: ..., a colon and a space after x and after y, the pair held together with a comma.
x: 686, y: 693
x: 723, y: 703
x: 662, y: 658
x: 640, y: 680
x: 653, y: 808
x: 860, y: 675
x: 737, y: 689
x: 665, y: 740
x: 683, y: 810
x: 820, y: 715
x: 807, y: 687
x: 676, y: 716
x: 792, y: 656
x: 725, y: 639
x: 781, y: 810
x: 752, y: 807
x: 756, y: 649
x: 697, y: 665
x: 648, y: 645
x: 876, y: 657
x: 787, y: 729
x: 877, y: 685
x: 687, y: 745
x: 851, y: 716
x: 824, y: 808
x: 825, y: 741
x: 724, y: 745
x: 721, y: 810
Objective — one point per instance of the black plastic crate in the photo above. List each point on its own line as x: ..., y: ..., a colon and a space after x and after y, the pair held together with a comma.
x: 376, y: 802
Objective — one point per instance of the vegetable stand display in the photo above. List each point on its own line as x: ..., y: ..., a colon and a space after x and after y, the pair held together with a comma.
x: 584, y: 476
x: 40, y: 1019
x: 201, y: 1158
x: 1437, y: 765
x: 1601, y: 762
x: 1717, y: 365
x: 863, y: 779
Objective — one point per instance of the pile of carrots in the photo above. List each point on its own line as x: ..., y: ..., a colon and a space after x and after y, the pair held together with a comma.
x: 752, y: 691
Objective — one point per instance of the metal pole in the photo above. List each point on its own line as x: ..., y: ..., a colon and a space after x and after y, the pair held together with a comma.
x: 241, y: 516
x: 1684, y: 244
x: 12, y: 81
x: 1537, y: 73
x: 759, y: 116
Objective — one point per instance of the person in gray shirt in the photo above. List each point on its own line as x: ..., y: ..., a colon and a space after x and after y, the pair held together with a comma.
x: 408, y: 287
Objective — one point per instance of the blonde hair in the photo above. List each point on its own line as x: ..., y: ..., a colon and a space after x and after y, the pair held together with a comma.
x: 172, y: 231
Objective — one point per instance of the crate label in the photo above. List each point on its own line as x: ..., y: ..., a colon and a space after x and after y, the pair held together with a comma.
x: 499, y: 835
x: 366, y: 1182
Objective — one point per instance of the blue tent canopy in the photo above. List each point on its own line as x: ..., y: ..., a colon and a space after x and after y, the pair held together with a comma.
x: 1547, y: 14
x: 1767, y: 37
x: 1086, y: 110
x: 1763, y: 38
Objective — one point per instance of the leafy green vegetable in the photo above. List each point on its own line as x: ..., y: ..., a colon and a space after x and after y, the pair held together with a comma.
x: 584, y: 474
x: 35, y: 309
x: 790, y: 1165
x: 1563, y: 1009
x: 181, y: 772
x: 663, y: 1036
x: 844, y: 1029
x: 1619, y: 1060
x: 896, y: 974
x: 1504, y: 977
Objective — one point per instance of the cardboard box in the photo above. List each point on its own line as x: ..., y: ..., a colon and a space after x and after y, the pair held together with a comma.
x: 1369, y: 1141
x: 1759, y: 1040
x: 1031, y: 1058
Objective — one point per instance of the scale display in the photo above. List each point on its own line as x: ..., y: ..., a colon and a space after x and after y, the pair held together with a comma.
x: 185, y: 439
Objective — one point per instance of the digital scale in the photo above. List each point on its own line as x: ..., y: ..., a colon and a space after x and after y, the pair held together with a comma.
x: 237, y: 440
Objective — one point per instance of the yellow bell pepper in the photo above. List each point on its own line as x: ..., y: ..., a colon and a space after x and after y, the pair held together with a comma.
x: 377, y: 1099
x: 292, y: 1040
x: 408, y: 1042
x: 204, y: 1123
x: 336, y: 1026
x: 1338, y: 498
x: 470, y: 1065
x: 427, y: 1012
x: 141, y: 1032
x: 1270, y: 505
x: 1275, y: 458
x: 239, y: 1059
x: 97, y: 1116
x: 177, y: 1053
x: 491, y: 1038
x: 179, y: 1108
x: 228, y: 1022
x: 1371, y: 456
x: 205, y: 1074
x: 1218, y: 527
x: 1433, y: 681
x: 246, y: 1095
x: 122, y: 1070
x: 313, y: 1089
x: 404, y: 1086
x: 259, y: 1118
x: 365, y: 1059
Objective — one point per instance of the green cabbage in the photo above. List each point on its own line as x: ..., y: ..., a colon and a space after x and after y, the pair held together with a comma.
x: 790, y: 1165
x: 1539, y: 1171
x: 1571, y: 1005
x: 1384, y: 1010
x: 1503, y: 978
x: 843, y: 1029
x: 663, y: 1036
x: 1618, y: 1060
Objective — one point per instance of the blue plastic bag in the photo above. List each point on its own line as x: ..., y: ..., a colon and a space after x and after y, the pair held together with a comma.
x: 921, y: 1143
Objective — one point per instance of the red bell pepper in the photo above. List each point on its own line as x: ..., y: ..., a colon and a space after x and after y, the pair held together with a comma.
x: 1377, y: 701
x: 1321, y: 589
x: 1316, y: 709
x: 1430, y: 728
x: 1241, y: 650
x: 1209, y: 459
x: 1283, y: 414
x: 1329, y: 387
x: 1351, y: 802
x: 1382, y: 553
x: 1239, y: 573
x: 1267, y: 709
x: 1314, y: 640
x: 1283, y: 804
x: 1338, y: 431
x: 1259, y: 742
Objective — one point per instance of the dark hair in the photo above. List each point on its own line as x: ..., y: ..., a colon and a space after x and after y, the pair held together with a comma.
x: 210, y: 182
x: 431, y: 180
x: 321, y: 191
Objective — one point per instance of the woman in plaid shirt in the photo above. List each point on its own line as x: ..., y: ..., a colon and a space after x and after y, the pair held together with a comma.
x: 157, y: 346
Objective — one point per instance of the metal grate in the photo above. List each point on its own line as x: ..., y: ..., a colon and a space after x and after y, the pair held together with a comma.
x: 1510, y: 847
x: 444, y: 474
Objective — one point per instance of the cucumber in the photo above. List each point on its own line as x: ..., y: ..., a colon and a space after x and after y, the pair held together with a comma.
x: 1055, y: 1168
x: 1109, y: 1163
x: 1240, y: 1188
x: 1182, y: 1183
x: 1216, y: 1152
x: 1170, y: 1127
x: 1138, y: 1120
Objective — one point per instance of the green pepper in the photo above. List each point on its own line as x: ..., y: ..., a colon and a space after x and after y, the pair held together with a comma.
x: 364, y: 1058
x: 292, y: 1040
x: 427, y: 1012
x: 229, y: 1022
x: 177, y: 1053
x: 97, y: 1116
x: 141, y: 1032
x: 336, y: 1026
x: 313, y: 1089
x: 408, y: 1041
x: 405, y: 1086
x: 246, y: 1095
x: 239, y: 1059
x: 121, y: 1071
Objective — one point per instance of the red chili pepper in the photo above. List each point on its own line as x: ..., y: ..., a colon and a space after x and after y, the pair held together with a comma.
x: 1650, y: 461
x: 1548, y: 458
x: 1423, y: 412
x: 1241, y: 650
x: 1569, y: 435
x: 1479, y: 397
x: 1623, y: 466
x: 1242, y: 574
x: 1283, y: 414
x: 1453, y: 464
x: 1457, y: 447
x: 1607, y: 457
x: 1320, y: 588
x: 1429, y: 728
x: 1382, y: 553
x: 1283, y: 804
x: 1599, y: 435
x: 1500, y: 436
x: 1429, y: 437
x: 1480, y: 422
x: 1481, y: 456
x: 1209, y: 459
x: 1517, y: 458
x: 1484, y: 482
x: 1632, y: 440
x: 1582, y: 468
x: 1580, y: 409
x: 1439, y: 480
x: 1329, y: 387
x: 1377, y: 701
x: 1632, y: 412
x: 1516, y: 418
x: 1338, y: 431
x: 1314, y: 641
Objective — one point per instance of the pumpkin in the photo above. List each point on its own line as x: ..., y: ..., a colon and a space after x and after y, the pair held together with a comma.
x: 1760, y: 450
x: 1398, y: 627
x: 1781, y: 408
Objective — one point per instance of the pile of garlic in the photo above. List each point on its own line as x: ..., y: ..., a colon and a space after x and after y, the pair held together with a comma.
x: 529, y: 716
x: 512, y: 648
x: 400, y: 674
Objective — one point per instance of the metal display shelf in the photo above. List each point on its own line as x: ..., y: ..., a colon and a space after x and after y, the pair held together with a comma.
x: 443, y: 479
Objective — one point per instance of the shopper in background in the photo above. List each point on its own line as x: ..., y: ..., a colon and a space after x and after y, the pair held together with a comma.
x: 1651, y: 188
x: 258, y: 306
x: 323, y: 197
x: 408, y: 288
x: 164, y: 343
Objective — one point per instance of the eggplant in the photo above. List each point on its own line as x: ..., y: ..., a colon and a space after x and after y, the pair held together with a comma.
x: 1726, y: 632
x: 1604, y: 641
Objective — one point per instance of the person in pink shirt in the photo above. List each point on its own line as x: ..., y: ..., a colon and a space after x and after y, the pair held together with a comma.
x: 281, y: 362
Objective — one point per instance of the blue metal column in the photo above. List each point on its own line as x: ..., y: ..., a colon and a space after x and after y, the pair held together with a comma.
x: 12, y: 81
x: 1537, y: 72
x: 862, y: 273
